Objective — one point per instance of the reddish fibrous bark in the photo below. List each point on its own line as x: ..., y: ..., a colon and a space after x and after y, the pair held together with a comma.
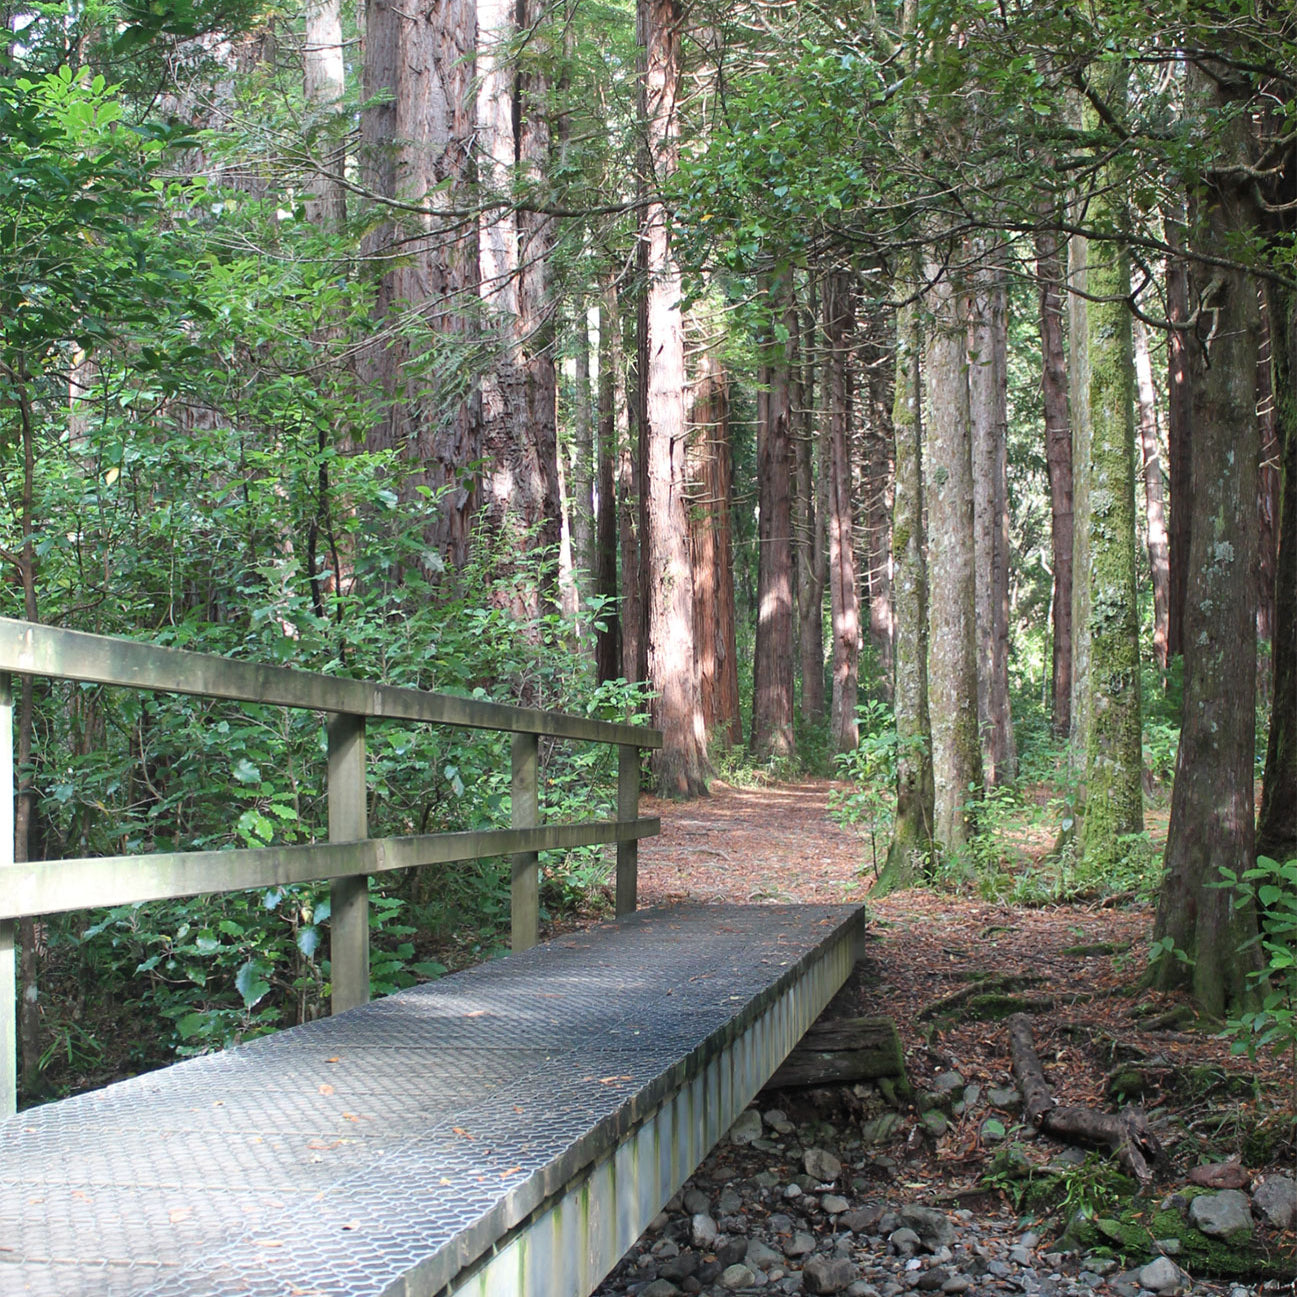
x: 773, y: 666
x: 844, y: 599
x: 680, y: 766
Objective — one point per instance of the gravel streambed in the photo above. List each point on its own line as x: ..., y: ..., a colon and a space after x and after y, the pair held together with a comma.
x: 771, y: 1213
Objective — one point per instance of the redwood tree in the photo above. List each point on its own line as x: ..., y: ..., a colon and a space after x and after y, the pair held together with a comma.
x: 773, y: 666
x: 680, y: 766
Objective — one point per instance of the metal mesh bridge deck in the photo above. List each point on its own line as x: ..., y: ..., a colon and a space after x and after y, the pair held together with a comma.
x: 510, y: 1129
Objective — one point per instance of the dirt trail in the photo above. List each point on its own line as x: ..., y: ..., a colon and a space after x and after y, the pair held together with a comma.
x: 774, y: 843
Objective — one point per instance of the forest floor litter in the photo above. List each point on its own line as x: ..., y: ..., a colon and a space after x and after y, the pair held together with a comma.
x: 861, y: 1190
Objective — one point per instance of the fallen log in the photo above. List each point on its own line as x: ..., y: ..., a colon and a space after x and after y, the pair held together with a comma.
x: 1126, y: 1134
x: 843, y: 1050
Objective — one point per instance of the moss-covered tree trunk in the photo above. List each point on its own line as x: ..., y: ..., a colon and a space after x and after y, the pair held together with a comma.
x: 1058, y: 459
x: 988, y: 383
x: 1159, y: 557
x: 608, y: 627
x: 1104, y: 474
x: 1277, y: 823
x: 1179, y: 422
x: 1078, y: 389
x: 1212, y: 826
x: 911, y: 841
x: 952, y: 640
x: 1114, y: 799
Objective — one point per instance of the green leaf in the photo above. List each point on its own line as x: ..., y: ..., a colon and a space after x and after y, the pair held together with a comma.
x: 190, y: 1025
x: 250, y: 982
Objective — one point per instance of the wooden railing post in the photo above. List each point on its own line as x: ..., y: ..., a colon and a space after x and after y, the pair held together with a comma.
x: 348, y: 822
x: 524, y: 891
x: 8, y: 969
x: 627, y: 809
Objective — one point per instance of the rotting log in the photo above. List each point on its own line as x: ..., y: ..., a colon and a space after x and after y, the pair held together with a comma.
x: 1126, y: 1134
x: 840, y: 1051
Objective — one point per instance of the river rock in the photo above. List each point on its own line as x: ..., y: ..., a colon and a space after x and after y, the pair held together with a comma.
x: 1276, y: 1200
x: 800, y: 1244
x: 1161, y: 1275
x: 702, y: 1230
x: 746, y: 1128
x: 823, y: 1274
x: 1222, y: 1214
x: 822, y: 1167
x: 679, y: 1267
x: 761, y: 1256
x: 930, y: 1225
x: 736, y: 1276
x: 660, y: 1288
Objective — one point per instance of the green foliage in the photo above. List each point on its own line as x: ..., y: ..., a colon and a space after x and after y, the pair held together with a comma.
x: 869, y: 804
x: 1272, y: 1023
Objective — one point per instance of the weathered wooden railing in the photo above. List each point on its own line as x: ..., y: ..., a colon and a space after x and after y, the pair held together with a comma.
x: 349, y: 856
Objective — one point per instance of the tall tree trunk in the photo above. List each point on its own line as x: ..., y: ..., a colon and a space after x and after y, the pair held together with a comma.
x: 988, y: 394
x: 711, y: 549
x: 808, y: 538
x: 612, y: 422
x: 880, y: 365
x: 844, y: 599
x: 416, y: 130
x: 581, y: 471
x: 773, y: 666
x: 521, y: 508
x: 1114, y: 804
x: 25, y: 837
x: 323, y: 77
x: 1179, y: 434
x: 952, y: 637
x: 1058, y: 460
x: 680, y: 765
x: 1159, y: 553
x: 911, y: 843
x: 1268, y: 489
x: 1212, y: 826
x: 537, y: 304
x: 1276, y: 832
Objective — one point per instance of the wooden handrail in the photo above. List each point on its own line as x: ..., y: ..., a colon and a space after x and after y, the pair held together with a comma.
x: 30, y: 649
x: 350, y: 855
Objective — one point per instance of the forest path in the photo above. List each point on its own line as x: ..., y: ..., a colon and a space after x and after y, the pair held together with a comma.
x: 775, y: 842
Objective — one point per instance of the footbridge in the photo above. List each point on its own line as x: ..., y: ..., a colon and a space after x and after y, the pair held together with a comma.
x: 508, y: 1130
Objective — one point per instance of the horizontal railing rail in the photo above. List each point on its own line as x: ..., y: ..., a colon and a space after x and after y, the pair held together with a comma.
x: 350, y: 855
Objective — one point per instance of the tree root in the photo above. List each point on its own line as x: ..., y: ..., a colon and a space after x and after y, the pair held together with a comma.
x: 1126, y: 1134
x: 991, y: 984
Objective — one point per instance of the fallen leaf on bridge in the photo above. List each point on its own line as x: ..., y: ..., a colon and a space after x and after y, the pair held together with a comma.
x: 326, y: 1088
